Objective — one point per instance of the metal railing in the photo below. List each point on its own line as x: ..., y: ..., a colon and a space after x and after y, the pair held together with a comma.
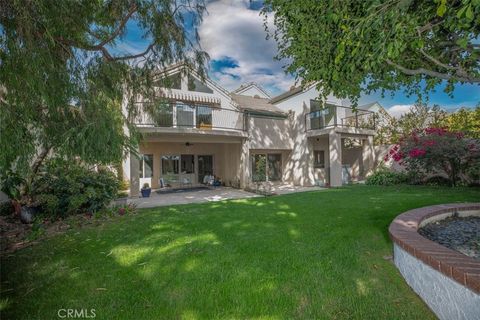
x: 202, y: 117
x: 339, y: 116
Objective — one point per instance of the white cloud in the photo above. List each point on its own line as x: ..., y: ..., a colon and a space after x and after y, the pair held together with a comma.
x: 398, y: 110
x: 231, y: 29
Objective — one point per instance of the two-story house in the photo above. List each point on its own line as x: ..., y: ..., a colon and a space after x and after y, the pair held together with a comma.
x: 197, y: 129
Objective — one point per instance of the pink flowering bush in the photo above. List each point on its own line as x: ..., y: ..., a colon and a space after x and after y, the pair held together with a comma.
x: 437, y: 151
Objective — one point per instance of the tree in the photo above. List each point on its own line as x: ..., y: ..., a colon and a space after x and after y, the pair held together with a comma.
x: 63, y: 78
x: 352, y: 46
x: 464, y: 120
x: 420, y: 116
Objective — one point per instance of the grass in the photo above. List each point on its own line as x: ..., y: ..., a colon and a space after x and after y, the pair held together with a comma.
x: 321, y: 255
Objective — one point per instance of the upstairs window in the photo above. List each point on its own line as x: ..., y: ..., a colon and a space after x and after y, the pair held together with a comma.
x: 185, y: 115
x: 195, y: 85
x: 321, y: 116
x: 204, y: 116
x: 315, y: 105
x: 173, y: 81
x: 319, y: 159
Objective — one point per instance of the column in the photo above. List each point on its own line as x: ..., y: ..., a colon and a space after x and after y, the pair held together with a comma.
x: 335, y: 159
x: 244, y: 168
x: 368, y: 156
x: 134, y: 175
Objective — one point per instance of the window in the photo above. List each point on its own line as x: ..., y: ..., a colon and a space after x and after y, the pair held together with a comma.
x: 185, y: 114
x: 198, y: 86
x: 259, y: 167
x: 319, y: 159
x: 187, y: 163
x: 146, y: 166
x: 161, y: 114
x: 204, y: 116
x: 315, y: 105
x: 266, y: 167
x: 274, y: 167
x: 170, y: 164
x: 321, y: 116
x: 173, y: 81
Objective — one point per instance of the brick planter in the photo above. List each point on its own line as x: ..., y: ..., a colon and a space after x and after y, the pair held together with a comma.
x: 433, y: 270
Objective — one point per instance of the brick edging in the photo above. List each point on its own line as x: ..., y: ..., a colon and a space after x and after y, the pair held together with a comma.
x: 404, y: 232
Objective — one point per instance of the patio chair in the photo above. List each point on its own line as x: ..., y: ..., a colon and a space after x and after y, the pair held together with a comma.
x: 186, y: 182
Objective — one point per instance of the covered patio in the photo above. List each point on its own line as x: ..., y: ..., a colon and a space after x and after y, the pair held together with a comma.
x: 159, y: 198
x: 190, y: 195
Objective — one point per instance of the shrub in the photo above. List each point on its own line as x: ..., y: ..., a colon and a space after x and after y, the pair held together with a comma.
x: 66, y: 188
x: 437, y: 181
x: 6, y: 208
x: 438, y: 151
x: 385, y: 177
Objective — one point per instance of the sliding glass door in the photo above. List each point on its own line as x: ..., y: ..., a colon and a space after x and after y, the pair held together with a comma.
x: 205, y: 166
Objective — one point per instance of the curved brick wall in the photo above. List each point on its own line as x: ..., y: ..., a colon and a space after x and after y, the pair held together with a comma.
x: 448, y: 281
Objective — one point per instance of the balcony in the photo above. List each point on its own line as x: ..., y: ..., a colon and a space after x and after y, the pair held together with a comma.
x: 333, y: 116
x: 190, y: 117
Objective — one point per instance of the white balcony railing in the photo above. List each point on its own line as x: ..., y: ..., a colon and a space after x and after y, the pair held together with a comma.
x: 339, y: 116
x: 202, y: 117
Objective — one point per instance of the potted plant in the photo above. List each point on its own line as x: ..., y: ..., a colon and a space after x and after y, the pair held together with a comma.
x: 146, y: 190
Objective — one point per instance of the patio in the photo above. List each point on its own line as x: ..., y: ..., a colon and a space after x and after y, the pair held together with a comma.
x: 195, y: 195
x: 199, y: 195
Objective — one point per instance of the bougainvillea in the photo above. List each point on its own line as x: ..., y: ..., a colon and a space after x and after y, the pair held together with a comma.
x: 437, y: 151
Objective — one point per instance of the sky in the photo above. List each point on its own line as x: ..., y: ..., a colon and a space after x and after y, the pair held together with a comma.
x: 233, y: 34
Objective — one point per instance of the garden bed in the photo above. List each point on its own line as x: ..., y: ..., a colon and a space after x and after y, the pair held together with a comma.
x: 447, y: 280
x: 461, y: 234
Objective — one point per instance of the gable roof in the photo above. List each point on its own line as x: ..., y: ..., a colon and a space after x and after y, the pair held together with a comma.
x: 246, y: 86
x: 368, y: 105
x: 180, y: 66
x: 256, y: 105
x: 294, y: 90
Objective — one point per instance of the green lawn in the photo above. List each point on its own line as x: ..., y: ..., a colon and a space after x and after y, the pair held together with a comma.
x: 308, y: 255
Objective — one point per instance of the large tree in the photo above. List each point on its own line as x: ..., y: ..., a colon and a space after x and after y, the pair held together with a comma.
x: 353, y: 46
x: 63, y: 74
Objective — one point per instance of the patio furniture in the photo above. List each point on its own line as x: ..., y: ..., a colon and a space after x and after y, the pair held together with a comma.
x: 186, y: 182
x: 170, y: 180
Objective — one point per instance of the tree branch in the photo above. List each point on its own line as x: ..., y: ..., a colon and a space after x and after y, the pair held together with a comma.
x: 440, y: 75
x: 134, y: 56
x: 131, y: 11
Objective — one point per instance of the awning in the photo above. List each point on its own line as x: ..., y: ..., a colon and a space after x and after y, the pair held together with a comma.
x: 189, y: 96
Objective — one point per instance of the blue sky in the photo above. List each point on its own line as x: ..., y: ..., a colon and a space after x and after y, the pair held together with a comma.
x: 233, y: 34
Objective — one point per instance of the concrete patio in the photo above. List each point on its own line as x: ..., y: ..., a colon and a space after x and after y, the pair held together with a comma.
x: 191, y: 196
x: 208, y: 195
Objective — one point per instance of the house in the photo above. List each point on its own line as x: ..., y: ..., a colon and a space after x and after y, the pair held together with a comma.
x: 197, y: 129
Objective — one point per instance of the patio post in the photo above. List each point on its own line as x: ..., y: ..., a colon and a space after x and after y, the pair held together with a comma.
x: 368, y: 155
x: 134, y: 175
x: 335, y: 145
x: 244, y: 172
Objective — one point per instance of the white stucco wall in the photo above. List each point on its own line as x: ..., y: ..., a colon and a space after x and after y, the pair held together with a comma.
x: 446, y: 298
x: 269, y: 133
x: 300, y: 162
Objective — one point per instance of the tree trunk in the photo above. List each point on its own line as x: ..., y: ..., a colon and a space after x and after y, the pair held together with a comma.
x: 453, y: 174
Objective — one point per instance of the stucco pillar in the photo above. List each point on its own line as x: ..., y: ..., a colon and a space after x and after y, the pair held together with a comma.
x: 134, y: 176
x: 244, y: 168
x: 335, y: 159
x: 368, y: 156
